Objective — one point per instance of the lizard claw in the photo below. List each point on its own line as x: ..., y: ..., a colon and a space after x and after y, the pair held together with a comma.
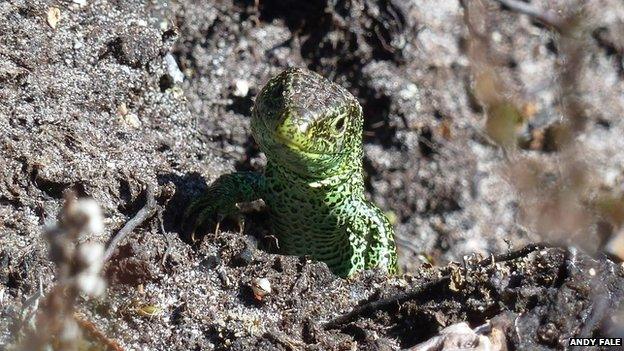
x: 197, y: 213
x: 203, y: 212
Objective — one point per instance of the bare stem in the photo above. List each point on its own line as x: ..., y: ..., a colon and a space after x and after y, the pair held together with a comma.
x: 146, y: 212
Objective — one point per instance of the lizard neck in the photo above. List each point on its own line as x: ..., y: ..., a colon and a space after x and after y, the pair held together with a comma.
x: 348, y: 180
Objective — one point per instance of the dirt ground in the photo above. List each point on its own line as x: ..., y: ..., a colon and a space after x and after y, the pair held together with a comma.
x: 485, y: 130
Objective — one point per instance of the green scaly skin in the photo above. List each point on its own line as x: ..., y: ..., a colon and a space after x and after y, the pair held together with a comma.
x: 311, y: 132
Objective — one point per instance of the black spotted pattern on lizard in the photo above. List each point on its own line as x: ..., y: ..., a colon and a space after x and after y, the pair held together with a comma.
x: 311, y: 132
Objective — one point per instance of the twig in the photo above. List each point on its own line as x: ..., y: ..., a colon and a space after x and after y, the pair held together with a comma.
x: 514, y: 254
x: 167, y: 238
x: 548, y: 17
x: 283, y: 339
x: 477, y: 34
x: 146, y: 212
x: 31, y: 305
x: 386, y: 302
x: 418, y: 292
x: 95, y: 334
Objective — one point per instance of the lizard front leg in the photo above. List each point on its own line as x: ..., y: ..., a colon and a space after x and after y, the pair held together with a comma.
x: 222, y: 196
x: 364, y: 240
x: 381, y: 249
x: 373, y: 238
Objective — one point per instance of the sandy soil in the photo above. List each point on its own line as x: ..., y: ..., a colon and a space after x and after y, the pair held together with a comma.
x: 114, y: 95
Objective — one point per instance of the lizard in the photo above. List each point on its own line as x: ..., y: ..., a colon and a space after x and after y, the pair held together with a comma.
x: 310, y: 130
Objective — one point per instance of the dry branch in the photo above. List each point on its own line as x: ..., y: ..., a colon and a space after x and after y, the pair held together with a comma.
x: 419, y: 292
x: 146, y: 212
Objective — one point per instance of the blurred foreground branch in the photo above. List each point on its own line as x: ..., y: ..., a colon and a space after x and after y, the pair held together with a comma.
x: 78, y: 267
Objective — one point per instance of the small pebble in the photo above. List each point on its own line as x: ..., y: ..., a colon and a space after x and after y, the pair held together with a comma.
x: 173, y: 70
x: 241, y: 88
x: 133, y: 120
x: 261, y: 287
x: 54, y: 16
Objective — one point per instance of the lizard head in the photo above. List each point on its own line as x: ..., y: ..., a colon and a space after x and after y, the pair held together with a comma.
x: 308, y: 124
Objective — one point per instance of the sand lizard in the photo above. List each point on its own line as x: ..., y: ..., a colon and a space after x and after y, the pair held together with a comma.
x: 311, y: 132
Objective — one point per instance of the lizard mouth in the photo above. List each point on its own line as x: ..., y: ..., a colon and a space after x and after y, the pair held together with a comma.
x: 292, y: 145
x: 289, y: 144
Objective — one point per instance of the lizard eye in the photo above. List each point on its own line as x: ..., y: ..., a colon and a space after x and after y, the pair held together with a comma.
x: 340, y: 124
